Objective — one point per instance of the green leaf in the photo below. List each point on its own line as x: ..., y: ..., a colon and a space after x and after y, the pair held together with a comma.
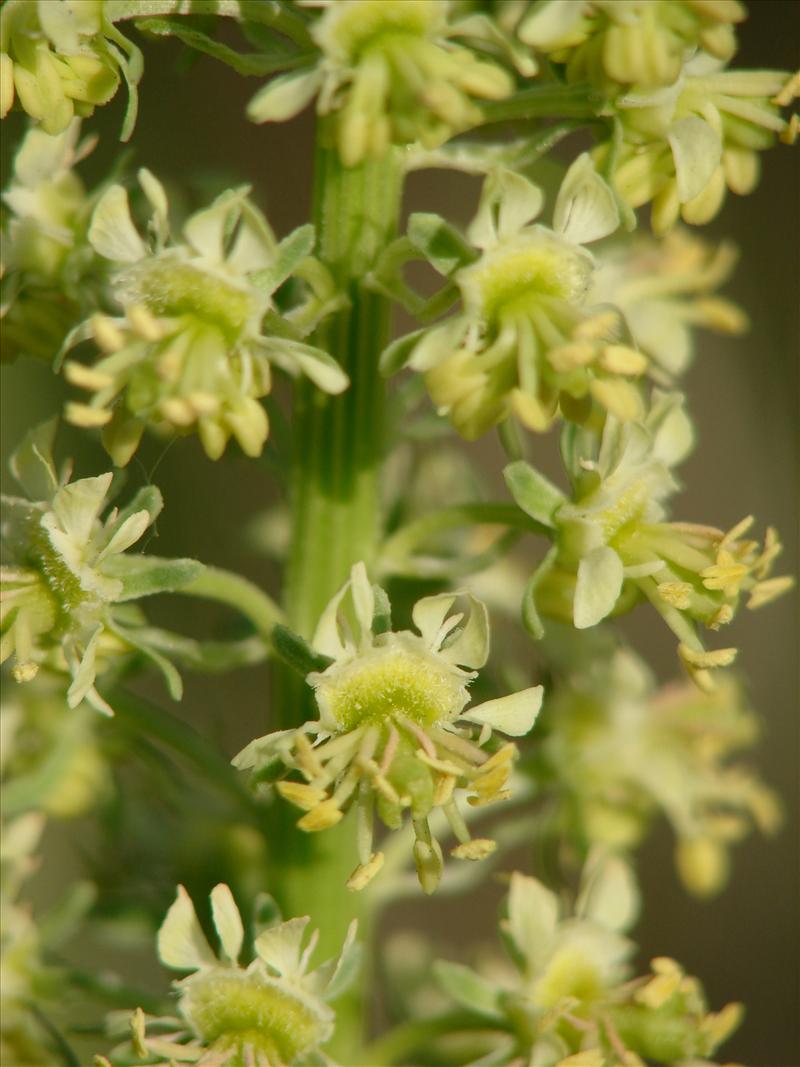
x: 345, y: 969
x: 467, y: 988
x: 32, y: 463
x: 382, y: 614
x: 248, y: 63
x: 297, y: 652
x: 599, y: 584
x: 148, y: 499
x: 147, y: 575
x: 315, y: 363
x: 586, y: 208
x: 285, y: 96
x: 398, y: 353
x: 697, y: 150
x: 537, y: 496
x: 266, y: 913
x: 292, y: 250
x: 439, y: 242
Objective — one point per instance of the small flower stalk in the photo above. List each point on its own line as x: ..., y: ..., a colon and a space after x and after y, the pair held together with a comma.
x: 387, y: 740
x: 273, y: 1012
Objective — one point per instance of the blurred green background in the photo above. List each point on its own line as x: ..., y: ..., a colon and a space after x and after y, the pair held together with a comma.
x: 744, y: 395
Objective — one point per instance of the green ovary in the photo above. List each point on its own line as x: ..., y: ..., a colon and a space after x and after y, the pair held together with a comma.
x: 513, y: 278
x: 240, y: 1011
x: 392, y: 681
x: 168, y: 287
x: 62, y: 584
x: 570, y: 974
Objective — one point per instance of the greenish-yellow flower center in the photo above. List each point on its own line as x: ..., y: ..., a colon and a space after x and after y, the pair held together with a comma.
x: 60, y: 581
x: 514, y: 277
x: 570, y: 974
x: 167, y: 286
x: 392, y: 681
x: 351, y: 29
x: 241, y: 1011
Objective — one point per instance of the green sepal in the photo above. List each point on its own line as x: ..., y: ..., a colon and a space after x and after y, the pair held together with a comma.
x: 291, y: 252
x: 147, y: 575
x: 396, y: 355
x: 32, y: 463
x: 247, y: 63
x: 266, y: 913
x: 666, y: 1034
x: 296, y: 652
x: 344, y: 970
x: 530, y: 614
x: 131, y: 63
x: 382, y: 616
x: 440, y: 243
x: 467, y: 988
x: 537, y: 496
x: 148, y: 499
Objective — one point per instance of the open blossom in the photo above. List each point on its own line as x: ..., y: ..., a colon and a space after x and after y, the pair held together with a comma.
x: 191, y: 351
x: 62, y: 59
x: 48, y: 267
x: 613, y: 544
x: 526, y: 341
x: 66, y: 579
x: 390, y: 72
x: 273, y: 1012
x: 684, y: 147
x: 571, y: 999
x: 619, y: 44
x: 622, y: 752
x: 666, y: 289
x: 387, y: 740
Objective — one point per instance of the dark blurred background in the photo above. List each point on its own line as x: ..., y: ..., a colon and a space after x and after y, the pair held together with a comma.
x: 744, y: 395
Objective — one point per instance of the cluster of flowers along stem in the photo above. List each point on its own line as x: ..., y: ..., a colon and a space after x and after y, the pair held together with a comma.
x: 551, y: 315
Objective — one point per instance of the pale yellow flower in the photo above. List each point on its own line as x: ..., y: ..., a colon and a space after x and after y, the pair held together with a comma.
x: 388, y: 741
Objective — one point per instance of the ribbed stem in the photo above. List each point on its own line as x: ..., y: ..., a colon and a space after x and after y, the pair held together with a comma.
x: 338, y: 448
x: 339, y: 440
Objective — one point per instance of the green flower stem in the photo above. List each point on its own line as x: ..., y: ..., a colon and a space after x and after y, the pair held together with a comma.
x: 545, y: 101
x: 135, y: 713
x: 400, y: 546
x: 338, y: 447
x: 396, y: 1046
x: 239, y: 593
x: 266, y: 12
